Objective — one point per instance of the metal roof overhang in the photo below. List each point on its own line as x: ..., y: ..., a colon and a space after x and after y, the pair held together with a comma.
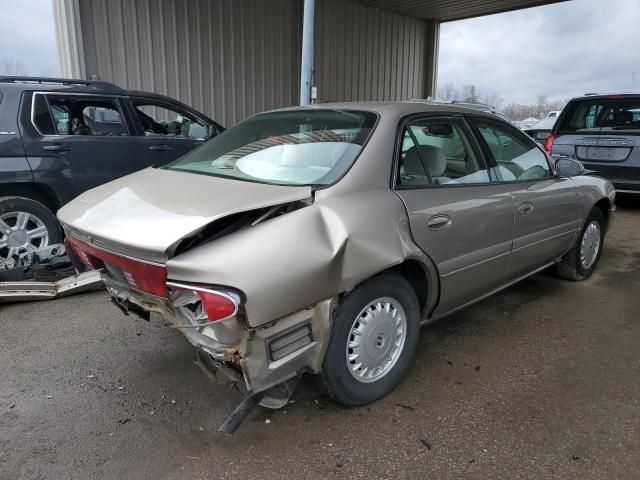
x: 449, y: 10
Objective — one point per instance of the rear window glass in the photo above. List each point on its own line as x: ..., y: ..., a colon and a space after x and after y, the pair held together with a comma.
x: 296, y: 147
x: 602, y: 114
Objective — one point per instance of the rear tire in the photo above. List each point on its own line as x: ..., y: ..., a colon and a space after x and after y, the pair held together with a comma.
x: 581, y: 261
x: 373, y: 339
x: 25, y: 225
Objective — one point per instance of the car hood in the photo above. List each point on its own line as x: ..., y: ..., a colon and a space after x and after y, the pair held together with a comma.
x: 144, y: 215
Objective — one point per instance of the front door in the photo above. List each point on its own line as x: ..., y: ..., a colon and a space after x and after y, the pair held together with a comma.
x: 462, y: 220
x: 166, y: 131
x: 546, y: 208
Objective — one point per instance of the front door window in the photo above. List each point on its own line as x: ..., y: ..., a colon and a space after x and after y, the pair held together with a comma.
x: 160, y: 120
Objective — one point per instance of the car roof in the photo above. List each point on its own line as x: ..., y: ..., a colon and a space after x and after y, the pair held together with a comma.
x: 72, y: 85
x: 394, y: 108
x: 606, y: 96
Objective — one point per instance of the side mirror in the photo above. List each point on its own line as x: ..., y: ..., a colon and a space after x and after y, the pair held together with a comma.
x: 566, y: 167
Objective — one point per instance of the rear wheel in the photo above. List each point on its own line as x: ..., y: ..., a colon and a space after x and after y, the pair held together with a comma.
x: 580, y: 262
x: 25, y: 226
x: 374, y: 336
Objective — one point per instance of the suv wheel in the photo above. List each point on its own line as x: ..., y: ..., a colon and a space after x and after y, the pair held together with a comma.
x: 374, y: 336
x: 25, y: 225
x: 583, y: 257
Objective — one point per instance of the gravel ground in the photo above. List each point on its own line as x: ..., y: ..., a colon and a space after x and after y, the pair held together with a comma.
x: 540, y: 381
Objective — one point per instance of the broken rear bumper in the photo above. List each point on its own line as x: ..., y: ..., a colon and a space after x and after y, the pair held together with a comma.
x: 261, y: 357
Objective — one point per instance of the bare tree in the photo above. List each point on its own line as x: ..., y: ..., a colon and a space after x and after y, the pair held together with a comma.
x: 493, y: 99
x: 447, y: 92
x: 12, y: 66
x: 542, y: 103
x: 470, y: 94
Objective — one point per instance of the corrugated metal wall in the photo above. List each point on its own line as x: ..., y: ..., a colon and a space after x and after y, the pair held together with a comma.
x: 227, y: 58
x: 232, y: 58
x: 365, y: 53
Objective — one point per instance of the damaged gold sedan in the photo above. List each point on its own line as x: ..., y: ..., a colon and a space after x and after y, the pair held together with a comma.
x: 319, y: 239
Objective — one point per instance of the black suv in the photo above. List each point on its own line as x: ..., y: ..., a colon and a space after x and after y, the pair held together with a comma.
x: 60, y: 137
x: 603, y: 132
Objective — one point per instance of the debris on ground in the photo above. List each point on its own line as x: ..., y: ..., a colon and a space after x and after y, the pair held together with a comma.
x: 425, y: 443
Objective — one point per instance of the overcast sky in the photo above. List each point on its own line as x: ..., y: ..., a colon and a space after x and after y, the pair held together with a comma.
x: 27, y: 36
x: 560, y: 50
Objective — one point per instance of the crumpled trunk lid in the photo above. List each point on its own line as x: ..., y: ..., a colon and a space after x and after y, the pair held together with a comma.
x: 146, y: 214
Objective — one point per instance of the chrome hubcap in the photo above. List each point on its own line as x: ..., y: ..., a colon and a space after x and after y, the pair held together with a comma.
x: 20, y: 232
x: 376, y: 339
x: 590, y: 245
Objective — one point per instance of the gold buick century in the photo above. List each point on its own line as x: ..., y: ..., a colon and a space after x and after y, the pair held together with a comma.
x: 319, y: 239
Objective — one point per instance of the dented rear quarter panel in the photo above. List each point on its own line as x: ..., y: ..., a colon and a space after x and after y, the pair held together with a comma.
x: 293, y: 261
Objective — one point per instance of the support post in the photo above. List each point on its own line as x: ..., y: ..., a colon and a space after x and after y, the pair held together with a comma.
x: 432, y: 49
x: 306, y: 67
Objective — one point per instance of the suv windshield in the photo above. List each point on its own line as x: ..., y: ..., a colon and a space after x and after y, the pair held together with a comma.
x: 296, y: 147
x: 611, y: 113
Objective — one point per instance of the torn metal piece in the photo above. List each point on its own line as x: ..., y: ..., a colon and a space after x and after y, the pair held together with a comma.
x: 240, y: 413
x: 25, y: 291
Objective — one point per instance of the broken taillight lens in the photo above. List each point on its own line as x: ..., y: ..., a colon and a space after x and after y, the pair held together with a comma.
x: 216, y: 304
x: 142, y: 276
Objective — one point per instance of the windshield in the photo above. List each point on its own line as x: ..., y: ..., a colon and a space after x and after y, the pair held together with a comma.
x: 295, y: 147
x: 608, y: 113
x: 544, y: 124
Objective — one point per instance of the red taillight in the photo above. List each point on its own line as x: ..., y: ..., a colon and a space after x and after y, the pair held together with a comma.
x: 218, y: 305
x: 142, y: 276
x: 548, y: 142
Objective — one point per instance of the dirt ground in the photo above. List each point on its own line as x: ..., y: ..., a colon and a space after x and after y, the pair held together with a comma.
x: 540, y: 381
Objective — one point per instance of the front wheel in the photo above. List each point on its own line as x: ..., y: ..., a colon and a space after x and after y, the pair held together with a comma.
x: 580, y: 262
x: 373, y: 339
x: 25, y: 226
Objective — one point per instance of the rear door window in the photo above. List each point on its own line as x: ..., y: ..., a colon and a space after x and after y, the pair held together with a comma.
x: 41, y: 116
x: 438, y: 152
x: 601, y: 114
x: 55, y: 114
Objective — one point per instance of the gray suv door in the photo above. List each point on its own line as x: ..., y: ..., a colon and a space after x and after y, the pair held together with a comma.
x: 462, y: 220
x: 77, y: 141
x: 166, y: 131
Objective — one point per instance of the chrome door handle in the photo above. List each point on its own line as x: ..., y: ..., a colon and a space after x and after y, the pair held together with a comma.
x: 439, y: 222
x: 160, y: 148
x: 56, y: 147
x: 525, y: 208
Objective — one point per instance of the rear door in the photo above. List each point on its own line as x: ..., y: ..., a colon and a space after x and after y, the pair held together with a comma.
x: 461, y: 219
x: 75, y: 142
x: 546, y: 208
x: 604, y: 134
x: 166, y: 131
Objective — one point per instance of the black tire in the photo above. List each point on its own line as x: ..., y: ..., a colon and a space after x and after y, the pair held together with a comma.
x: 36, y: 209
x: 336, y: 379
x: 571, y: 267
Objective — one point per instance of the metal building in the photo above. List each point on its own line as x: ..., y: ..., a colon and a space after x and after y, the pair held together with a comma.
x: 232, y: 58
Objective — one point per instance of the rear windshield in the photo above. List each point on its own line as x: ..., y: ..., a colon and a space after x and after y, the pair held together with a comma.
x: 296, y: 147
x: 601, y: 114
x: 546, y: 123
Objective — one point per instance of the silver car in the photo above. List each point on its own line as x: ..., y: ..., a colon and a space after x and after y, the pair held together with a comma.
x: 319, y: 239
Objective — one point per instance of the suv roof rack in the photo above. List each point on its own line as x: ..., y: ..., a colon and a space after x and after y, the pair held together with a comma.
x: 60, y: 81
